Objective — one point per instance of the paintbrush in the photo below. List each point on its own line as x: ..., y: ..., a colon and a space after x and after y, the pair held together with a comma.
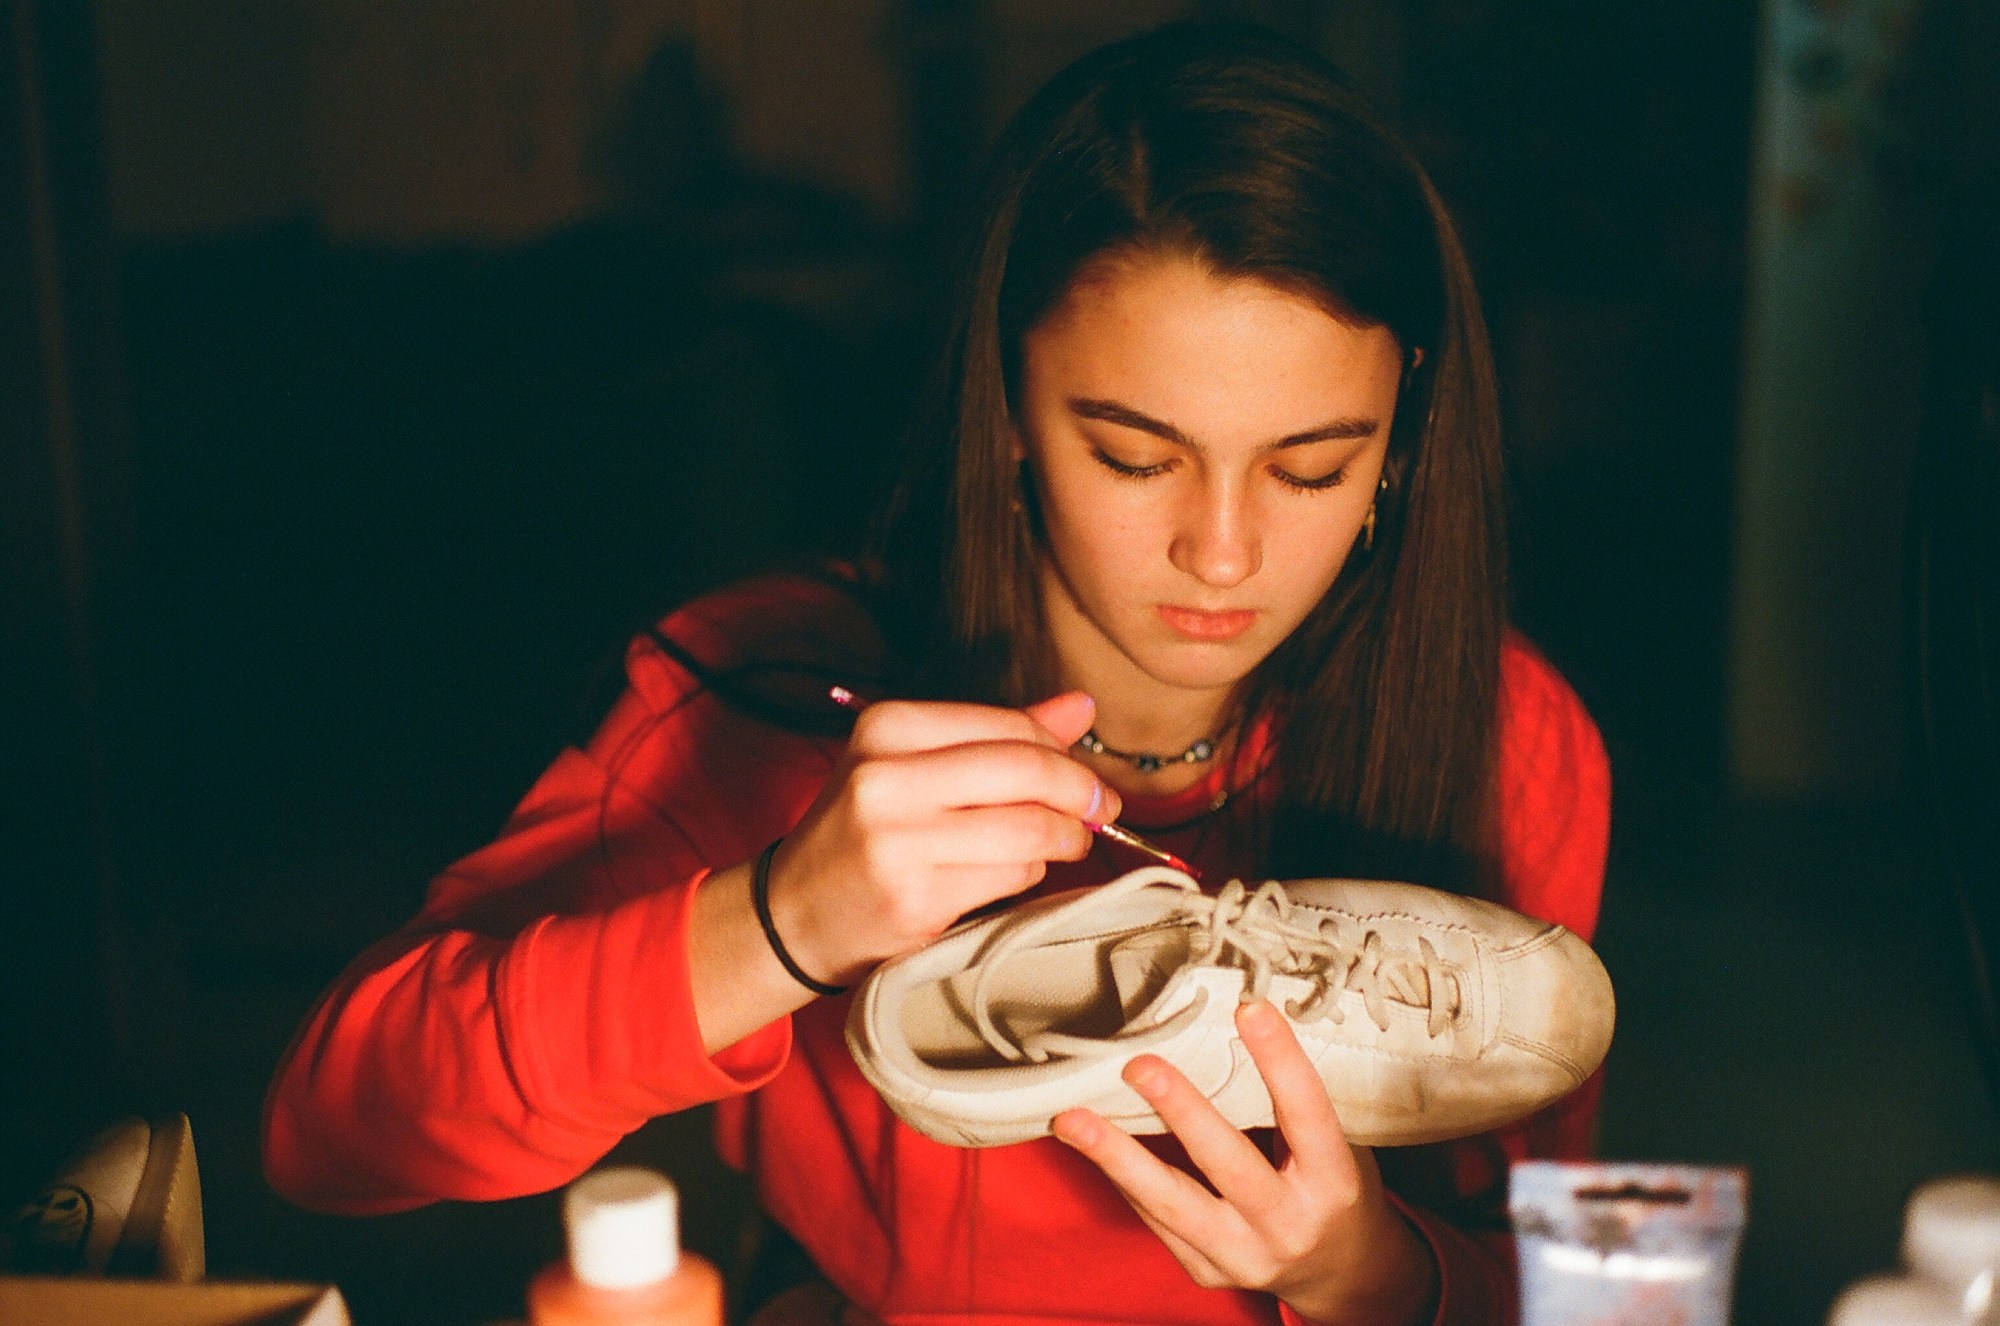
x: 1117, y: 833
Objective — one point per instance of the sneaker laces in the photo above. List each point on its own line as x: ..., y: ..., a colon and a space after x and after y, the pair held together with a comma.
x: 1261, y: 930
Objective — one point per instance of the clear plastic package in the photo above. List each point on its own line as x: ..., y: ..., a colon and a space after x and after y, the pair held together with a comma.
x: 1626, y: 1243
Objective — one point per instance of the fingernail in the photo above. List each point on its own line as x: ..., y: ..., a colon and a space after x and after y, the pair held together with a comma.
x: 1075, y: 1127
x: 1143, y: 1076
x: 1096, y: 804
x: 1259, y: 1015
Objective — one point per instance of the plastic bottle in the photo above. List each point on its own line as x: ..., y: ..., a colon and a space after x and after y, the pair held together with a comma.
x: 1951, y: 1237
x: 1951, y: 1251
x: 625, y: 1265
x: 1895, y: 1300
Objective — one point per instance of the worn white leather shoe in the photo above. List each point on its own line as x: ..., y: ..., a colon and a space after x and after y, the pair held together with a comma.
x: 1429, y: 1015
x: 128, y: 1204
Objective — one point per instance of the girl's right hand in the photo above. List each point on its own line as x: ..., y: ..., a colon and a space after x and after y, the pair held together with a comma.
x: 936, y: 809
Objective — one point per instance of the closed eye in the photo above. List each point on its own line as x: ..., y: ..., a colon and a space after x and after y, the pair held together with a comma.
x: 1120, y: 468
x: 1324, y: 481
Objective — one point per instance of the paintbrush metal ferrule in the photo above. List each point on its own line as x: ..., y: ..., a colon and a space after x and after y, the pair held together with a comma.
x: 1119, y: 834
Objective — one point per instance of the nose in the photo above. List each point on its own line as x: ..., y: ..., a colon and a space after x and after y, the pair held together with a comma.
x: 1215, y: 538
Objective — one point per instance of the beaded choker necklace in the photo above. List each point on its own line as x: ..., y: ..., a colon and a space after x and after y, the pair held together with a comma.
x: 1143, y: 761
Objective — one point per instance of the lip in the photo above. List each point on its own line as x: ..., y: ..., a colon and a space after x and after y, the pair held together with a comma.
x: 1197, y: 624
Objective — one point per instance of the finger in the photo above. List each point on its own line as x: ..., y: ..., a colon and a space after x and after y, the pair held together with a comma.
x: 1162, y: 1195
x: 950, y: 894
x: 1193, y: 1260
x: 893, y: 788
x: 1299, y: 1100
x: 1005, y: 835
x: 1074, y: 1126
x: 963, y: 889
x: 1230, y: 1160
x: 1065, y: 717
x: 894, y: 727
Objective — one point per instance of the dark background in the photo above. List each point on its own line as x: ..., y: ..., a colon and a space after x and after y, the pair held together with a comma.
x: 372, y: 372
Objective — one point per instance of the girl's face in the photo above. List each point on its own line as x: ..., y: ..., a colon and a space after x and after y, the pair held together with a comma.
x: 1204, y: 450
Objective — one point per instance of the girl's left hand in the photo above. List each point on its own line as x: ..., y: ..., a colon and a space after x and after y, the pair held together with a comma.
x: 1315, y: 1230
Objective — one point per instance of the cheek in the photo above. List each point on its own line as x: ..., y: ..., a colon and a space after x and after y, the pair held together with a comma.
x: 1312, y: 545
x: 1086, y: 515
x: 1092, y: 539
x: 1315, y: 524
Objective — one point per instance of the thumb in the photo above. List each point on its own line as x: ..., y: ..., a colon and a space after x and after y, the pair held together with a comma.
x: 1065, y: 717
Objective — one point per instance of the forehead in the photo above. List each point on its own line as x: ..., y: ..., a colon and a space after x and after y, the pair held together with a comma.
x: 1170, y: 334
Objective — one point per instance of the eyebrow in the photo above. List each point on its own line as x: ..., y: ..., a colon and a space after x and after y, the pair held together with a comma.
x: 1111, y: 412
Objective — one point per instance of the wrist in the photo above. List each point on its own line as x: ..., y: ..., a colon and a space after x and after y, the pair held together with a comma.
x: 1393, y: 1280
x: 786, y: 937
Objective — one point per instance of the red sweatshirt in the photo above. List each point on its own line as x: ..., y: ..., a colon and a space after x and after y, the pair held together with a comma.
x: 538, y: 1009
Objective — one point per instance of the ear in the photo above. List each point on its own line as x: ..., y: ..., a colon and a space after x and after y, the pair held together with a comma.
x: 1416, y: 359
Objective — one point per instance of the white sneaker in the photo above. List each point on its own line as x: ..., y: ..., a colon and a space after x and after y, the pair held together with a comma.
x: 127, y: 1205
x: 1429, y: 1015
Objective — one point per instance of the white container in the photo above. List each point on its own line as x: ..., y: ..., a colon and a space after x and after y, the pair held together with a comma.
x: 1896, y: 1300
x: 1951, y: 1237
x: 625, y: 1265
x: 1951, y: 1252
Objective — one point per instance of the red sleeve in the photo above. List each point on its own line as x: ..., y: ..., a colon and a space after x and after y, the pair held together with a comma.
x: 538, y: 1008
x: 1553, y: 795
x: 1553, y: 807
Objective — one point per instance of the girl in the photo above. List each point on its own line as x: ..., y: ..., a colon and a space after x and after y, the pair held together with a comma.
x: 1203, y: 531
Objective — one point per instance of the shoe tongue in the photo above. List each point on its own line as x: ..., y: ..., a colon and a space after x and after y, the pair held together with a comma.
x: 1143, y: 963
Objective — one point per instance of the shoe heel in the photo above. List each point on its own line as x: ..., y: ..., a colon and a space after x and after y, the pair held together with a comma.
x: 164, y: 1237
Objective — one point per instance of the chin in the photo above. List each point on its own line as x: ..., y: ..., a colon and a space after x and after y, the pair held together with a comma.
x: 1199, y: 667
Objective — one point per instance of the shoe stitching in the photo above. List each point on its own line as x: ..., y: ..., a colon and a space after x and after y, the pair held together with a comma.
x: 1449, y: 927
x: 1556, y: 1057
x: 1533, y: 945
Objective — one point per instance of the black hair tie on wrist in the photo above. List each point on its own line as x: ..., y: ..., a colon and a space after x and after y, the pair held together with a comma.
x: 760, y: 898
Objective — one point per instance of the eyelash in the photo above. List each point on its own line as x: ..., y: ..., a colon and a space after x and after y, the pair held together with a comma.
x: 1325, y: 481
x: 1124, y: 471
x: 1292, y: 481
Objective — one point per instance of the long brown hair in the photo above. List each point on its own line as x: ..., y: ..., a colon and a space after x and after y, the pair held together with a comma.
x: 1230, y: 146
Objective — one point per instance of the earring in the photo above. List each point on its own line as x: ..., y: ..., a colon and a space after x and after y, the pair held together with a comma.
x: 1368, y: 521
